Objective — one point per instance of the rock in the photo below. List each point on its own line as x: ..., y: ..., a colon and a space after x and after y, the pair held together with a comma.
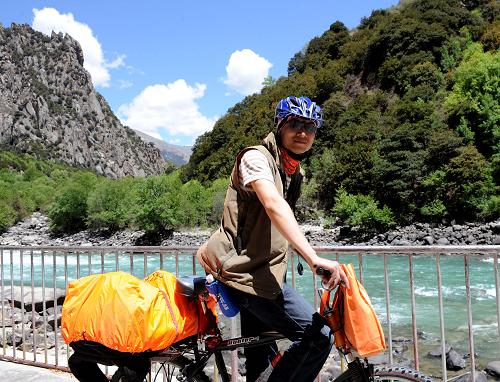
x: 493, y: 368
x: 428, y: 240
x: 495, y: 240
x: 401, y: 339
x: 438, y: 351
x: 454, y: 361
x: 495, y: 227
x: 16, y: 296
x: 442, y: 241
x: 480, y: 377
x: 379, y: 359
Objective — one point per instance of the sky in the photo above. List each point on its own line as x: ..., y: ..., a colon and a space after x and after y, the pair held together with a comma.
x: 172, y: 68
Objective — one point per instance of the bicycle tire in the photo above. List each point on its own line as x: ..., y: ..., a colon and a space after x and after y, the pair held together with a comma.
x: 172, y: 367
x: 397, y: 373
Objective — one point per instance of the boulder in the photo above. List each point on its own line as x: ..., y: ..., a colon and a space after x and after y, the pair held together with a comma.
x: 493, y: 368
x: 428, y: 240
x: 35, y: 298
x: 480, y: 377
x: 454, y: 361
x: 438, y: 351
x: 442, y: 241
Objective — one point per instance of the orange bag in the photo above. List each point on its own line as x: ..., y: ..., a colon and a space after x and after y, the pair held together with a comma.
x: 127, y: 314
x: 353, y: 320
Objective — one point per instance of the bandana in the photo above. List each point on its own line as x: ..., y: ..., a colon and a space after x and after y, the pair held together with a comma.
x: 289, y: 164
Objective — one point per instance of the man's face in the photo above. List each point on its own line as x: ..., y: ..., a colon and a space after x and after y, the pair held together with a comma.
x: 297, y: 134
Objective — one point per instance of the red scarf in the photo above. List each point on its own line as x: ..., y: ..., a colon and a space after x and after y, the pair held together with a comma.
x: 289, y: 164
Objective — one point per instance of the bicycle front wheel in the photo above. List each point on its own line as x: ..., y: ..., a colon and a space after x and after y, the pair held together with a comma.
x: 401, y: 374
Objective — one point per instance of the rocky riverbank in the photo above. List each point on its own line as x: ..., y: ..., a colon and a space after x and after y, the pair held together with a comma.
x: 35, y: 231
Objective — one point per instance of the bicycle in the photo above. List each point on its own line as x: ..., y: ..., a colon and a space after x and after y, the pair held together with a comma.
x: 185, y: 360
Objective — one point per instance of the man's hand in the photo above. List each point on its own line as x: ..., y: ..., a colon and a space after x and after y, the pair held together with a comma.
x: 337, y: 275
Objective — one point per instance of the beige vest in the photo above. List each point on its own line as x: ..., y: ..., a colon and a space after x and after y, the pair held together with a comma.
x: 247, y: 252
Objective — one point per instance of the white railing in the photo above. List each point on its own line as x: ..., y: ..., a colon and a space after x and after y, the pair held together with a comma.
x: 31, y: 273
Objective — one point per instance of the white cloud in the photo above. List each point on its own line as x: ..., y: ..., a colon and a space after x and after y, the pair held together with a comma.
x: 117, y: 62
x: 171, y: 107
x: 246, y: 71
x: 47, y: 20
x: 124, y: 84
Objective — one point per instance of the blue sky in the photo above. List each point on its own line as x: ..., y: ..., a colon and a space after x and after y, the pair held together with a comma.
x: 170, y: 69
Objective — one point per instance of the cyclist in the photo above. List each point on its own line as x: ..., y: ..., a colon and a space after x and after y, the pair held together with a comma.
x: 249, y: 251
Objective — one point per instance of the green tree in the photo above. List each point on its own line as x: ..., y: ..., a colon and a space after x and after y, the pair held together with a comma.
x: 110, y: 205
x: 269, y: 81
x: 362, y: 211
x: 158, y: 199
x: 69, y: 211
x: 474, y: 102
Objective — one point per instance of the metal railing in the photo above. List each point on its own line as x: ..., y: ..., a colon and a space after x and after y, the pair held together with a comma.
x: 26, y: 272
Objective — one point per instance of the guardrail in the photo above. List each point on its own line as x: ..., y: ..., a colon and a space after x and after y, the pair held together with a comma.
x: 33, y: 280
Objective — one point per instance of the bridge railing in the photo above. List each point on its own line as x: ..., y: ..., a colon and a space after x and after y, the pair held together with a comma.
x: 33, y: 281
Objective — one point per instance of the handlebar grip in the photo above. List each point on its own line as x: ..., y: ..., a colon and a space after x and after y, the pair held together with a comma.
x: 323, y: 272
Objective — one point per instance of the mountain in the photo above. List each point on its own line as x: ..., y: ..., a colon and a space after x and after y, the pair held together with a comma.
x: 49, y: 108
x: 176, y: 154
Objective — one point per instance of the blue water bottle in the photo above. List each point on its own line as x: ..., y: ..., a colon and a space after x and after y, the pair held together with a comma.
x: 223, y: 295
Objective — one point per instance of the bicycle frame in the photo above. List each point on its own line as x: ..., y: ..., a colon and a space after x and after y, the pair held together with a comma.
x: 357, y: 370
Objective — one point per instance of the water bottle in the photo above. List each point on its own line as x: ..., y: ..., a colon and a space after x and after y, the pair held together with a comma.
x: 223, y: 295
x: 264, y: 376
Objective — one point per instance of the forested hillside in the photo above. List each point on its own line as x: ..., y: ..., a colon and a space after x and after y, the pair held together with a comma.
x: 412, y: 114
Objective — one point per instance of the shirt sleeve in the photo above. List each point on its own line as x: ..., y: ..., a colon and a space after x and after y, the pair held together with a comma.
x: 254, y: 166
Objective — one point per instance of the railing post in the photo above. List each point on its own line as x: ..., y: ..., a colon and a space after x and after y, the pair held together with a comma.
x: 388, y: 306
x: 469, y: 319
x: 21, y: 273
x: 441, y: 317
x: 497, y: 295
x: 414, y: 315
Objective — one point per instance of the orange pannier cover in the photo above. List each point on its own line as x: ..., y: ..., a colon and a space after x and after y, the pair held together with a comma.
x: 353, y: 320
x: 131, y: 315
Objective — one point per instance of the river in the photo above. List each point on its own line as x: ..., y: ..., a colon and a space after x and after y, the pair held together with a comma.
x: 482, y: 290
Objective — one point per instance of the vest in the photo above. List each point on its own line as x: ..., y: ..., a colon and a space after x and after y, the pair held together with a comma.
x: 247, y: 252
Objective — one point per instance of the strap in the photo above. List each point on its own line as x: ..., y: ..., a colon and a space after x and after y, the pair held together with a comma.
x: 171, y: 311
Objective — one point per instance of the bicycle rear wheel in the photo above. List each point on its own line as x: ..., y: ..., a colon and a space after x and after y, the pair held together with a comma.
x: 170, y: 371
x: 401, y: 374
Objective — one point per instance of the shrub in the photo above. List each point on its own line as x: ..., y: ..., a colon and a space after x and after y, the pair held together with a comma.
x: 110, y: 205
x: 158, y: 203
x: 7, y: 216
x: 194, y: 205
x: 69, y: 211
x: 362, y: 211
x: 491, y: 208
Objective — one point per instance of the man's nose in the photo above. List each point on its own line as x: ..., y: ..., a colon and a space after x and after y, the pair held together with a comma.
x: 302, y: 131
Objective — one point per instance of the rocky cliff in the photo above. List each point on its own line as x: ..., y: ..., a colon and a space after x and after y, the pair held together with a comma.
x: 49, y: 108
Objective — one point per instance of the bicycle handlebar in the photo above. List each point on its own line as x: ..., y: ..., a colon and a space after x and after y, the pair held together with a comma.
x: 320, y: 271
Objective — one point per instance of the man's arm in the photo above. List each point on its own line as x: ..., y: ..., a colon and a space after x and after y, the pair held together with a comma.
x: 282, y: 218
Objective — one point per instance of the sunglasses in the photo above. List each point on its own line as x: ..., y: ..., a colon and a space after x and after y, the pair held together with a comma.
x: 297, y: 125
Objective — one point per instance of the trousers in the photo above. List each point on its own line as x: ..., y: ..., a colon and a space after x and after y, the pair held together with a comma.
x: 291, y: 315
x: 83, y: 362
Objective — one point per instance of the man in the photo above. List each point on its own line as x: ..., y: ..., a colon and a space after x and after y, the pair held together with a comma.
x: 249, y: 252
